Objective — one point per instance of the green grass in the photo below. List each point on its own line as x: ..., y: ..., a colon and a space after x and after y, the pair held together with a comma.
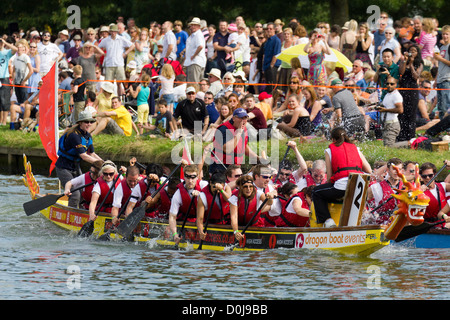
x: 159, y: 149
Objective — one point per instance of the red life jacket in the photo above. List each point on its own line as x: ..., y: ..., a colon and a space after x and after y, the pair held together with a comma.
x: 126, y: 191
x: 86, y: 195
x: 287, y: 219
x: 143, y: 186
x: 435, y: 204
x: 218, y: 215
x: 186, y: 200
x: 310, y: 181
x: 237, y: 157
x: 390, y: 205
x: 104, y: 188
x: 246, y: 212
x: 345, y: 159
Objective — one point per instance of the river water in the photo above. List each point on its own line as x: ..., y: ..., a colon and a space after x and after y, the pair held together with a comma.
x: 40, y: 261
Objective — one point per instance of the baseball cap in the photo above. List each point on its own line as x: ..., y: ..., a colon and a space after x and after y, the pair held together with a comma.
x: 240, y: 113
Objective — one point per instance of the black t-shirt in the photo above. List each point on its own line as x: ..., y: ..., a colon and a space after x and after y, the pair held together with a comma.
x: 163, y: 122
x: 79, y: 96
x: 189, y: 112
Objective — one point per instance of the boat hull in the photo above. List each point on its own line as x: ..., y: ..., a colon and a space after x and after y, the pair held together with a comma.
x: 434, y: 238
x: 361, y: 240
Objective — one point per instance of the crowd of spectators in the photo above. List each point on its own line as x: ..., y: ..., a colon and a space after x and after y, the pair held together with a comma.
x: 162, y: 79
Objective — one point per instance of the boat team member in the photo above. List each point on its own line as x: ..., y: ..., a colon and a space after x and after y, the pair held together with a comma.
x: 381, y: 191
x: 438, y: 207
x: 123, y: 192
x: 90, y: 176
x: 104, y: 183
x: 220, y: 213
x: 160, y: 204
x: 295, y: 212
x: 262, y: 180
x: 342, y: 158
x: 189, y: 188
x: 75, y: 145
x: 231, y: 142
x: 233, y: 173
x: 154, y: 177
x: 244, y: 203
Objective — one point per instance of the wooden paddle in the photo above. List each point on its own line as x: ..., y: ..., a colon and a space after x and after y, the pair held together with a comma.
x: 236, y: 243
x: 185, y: 219
x: 130, y: 223
x: 414, y: 231
x: 207, y: 219
x: 87, y: 229
x: 41, y: 203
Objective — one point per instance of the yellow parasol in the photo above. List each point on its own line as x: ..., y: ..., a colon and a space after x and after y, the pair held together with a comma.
x: 297, y: 51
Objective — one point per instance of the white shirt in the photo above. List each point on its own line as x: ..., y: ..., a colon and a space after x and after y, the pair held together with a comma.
x: 47, y: 53
x: 118, y: 195
x: 234, y: 200
x: 114, y: 50
x: 136, y: 192
x: 169, y: 38
x: 389, y: 101
x: 176, y: 199
x: 194, y: 41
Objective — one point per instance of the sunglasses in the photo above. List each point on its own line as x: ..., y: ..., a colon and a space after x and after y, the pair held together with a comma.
x: 90, y: 121
x: 424, y: 176
x: 190, y: 176
x: 189, y: 93
x: 287, y: 174
x: 237, y: 175
x: 248, y: 186
x: 390, y: 83
x: 265, y: 177
x: 109, y: 174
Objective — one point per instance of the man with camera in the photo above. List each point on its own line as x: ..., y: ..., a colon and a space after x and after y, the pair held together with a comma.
x: 391, y: 107
x: 386, y: 68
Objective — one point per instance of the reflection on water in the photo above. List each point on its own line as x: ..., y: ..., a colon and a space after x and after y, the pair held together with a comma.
x: 36, y: 259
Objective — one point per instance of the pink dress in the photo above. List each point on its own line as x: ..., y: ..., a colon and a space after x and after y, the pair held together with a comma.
x: 317, y: 75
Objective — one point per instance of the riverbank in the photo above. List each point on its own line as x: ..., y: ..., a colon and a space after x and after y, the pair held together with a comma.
x: 13, y: 144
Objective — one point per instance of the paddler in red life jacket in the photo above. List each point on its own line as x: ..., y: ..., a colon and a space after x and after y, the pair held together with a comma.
x: 220, y: 213
x: 123, y: 192
x: 438, y: 206
x: 342, y: 158
x: 231, y: 142
x: 101, y: 188
x: 244, y: 204
x: 381, y: 191
x: 295, y: 211
x: 154, y: 173
x: 233, y: 173
x: 187, y: 191
x: 160, y: 204
x: 286, y: 168
x: 314, y: 177
x: 262, y: 180
x: 86, y: 178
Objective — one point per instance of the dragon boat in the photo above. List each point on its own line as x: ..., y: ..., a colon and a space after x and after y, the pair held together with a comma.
x: 349, y: 237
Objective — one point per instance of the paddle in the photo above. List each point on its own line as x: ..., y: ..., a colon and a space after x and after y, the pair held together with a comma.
x: 207, y: 219
x: 130, y: 223
x: 41, y: 203
x: 220, y: 162
x: 87, y: 229
x: 414, y: 231
x: 106, y: 235
x: 185, y: 219
x: 391, y: 197
x: 236, y: 243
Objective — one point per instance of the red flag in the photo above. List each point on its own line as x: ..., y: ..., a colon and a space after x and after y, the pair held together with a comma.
x: 48, y: 115
x: 186, y: 156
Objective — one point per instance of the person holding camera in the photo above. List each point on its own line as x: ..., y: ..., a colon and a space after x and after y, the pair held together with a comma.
x: 391, y: 107
x: 411, y: 66
x: 316, y: 49
x: 387, y: 68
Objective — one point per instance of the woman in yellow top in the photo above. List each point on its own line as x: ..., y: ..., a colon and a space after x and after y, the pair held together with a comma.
x: 103, y: 101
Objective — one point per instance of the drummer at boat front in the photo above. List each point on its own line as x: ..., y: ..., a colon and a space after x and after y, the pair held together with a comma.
x: 75, y: 145
x: 188, y: 191
x: 88, y: 178
x: 220, y: 212
x: 437, y: 208
x: 123, y: 192
x: 101, y: 189
x: 244, y: 203
x: 341, y: 158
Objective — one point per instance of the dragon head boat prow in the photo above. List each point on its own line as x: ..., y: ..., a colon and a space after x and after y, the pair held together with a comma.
x: 412, y: 203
